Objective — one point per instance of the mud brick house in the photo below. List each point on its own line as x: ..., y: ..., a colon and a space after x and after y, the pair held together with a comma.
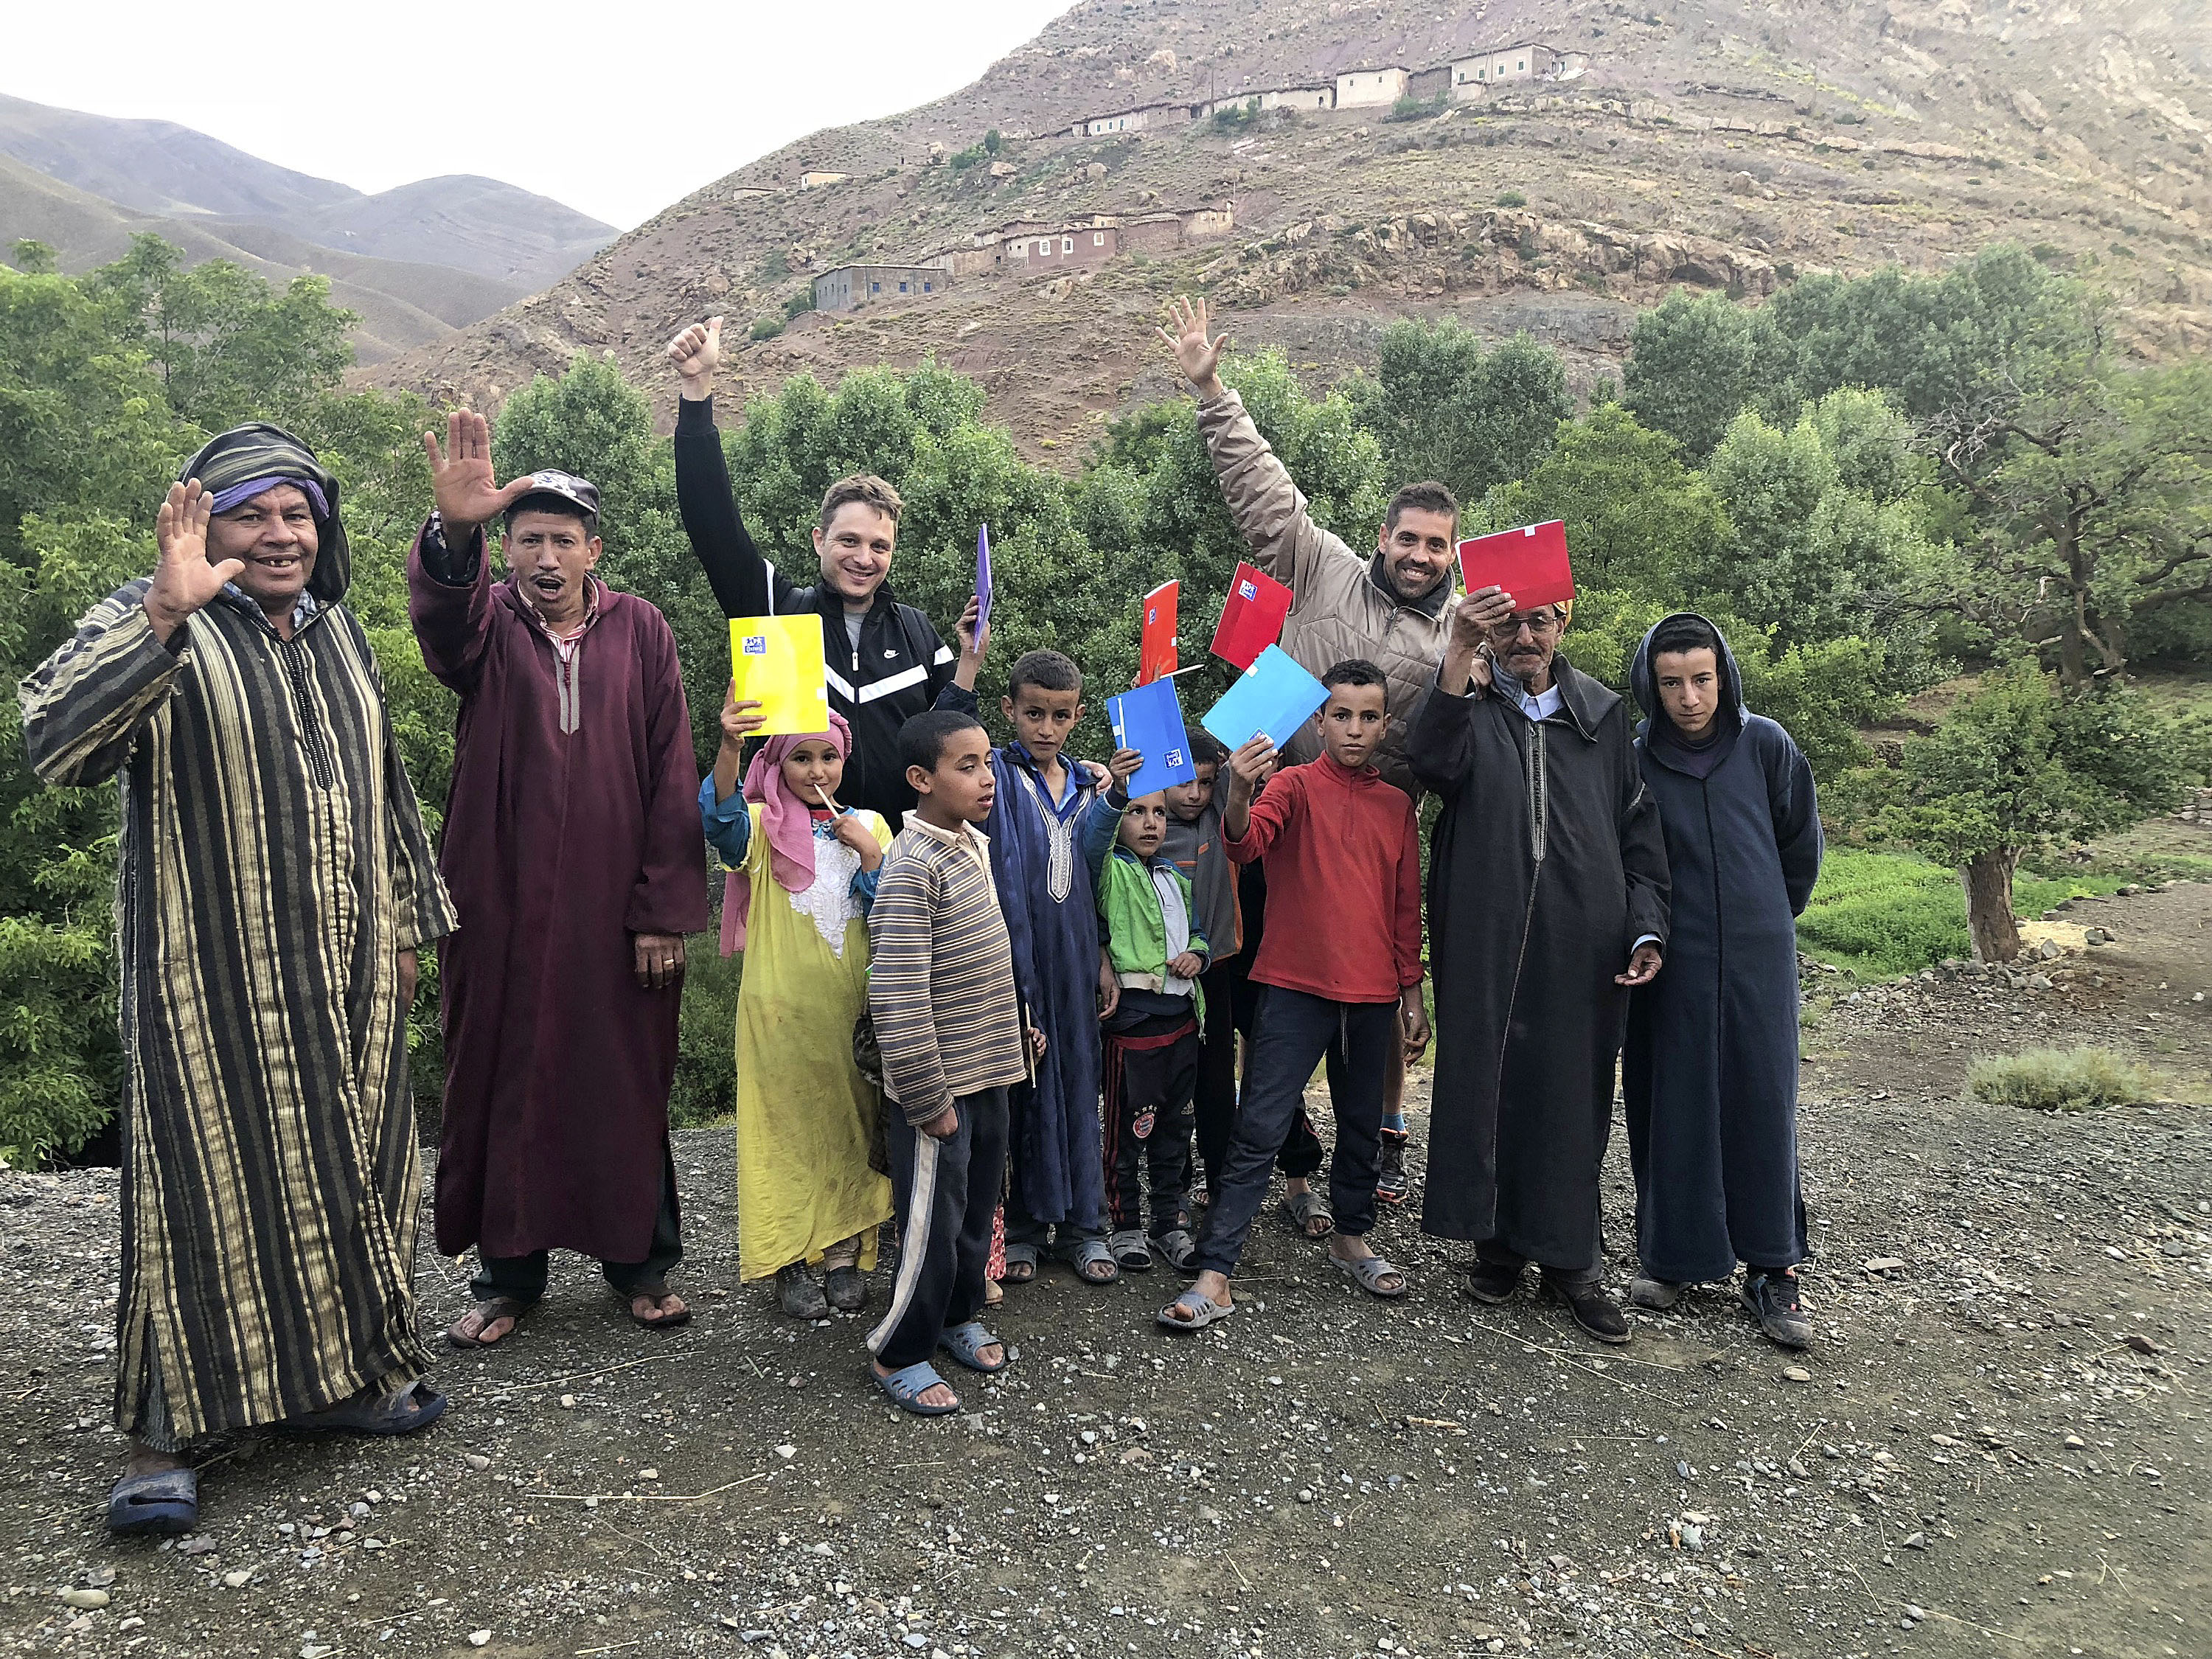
x: 849, y: 286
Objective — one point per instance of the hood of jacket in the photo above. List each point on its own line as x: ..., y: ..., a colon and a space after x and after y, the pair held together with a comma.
x: 1643, y: 680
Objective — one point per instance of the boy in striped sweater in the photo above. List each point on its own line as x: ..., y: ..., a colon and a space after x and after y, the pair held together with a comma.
x: 941, y: 995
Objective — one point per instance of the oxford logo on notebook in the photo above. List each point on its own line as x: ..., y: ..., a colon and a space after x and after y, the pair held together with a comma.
x: 1247, y: 591
x: 756, y: 644
x: 1175, y: 757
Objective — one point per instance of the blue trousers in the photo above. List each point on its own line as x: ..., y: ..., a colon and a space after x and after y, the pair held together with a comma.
x: 1292, y: 1032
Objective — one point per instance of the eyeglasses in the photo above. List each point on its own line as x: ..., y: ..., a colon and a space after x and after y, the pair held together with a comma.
x: 1539, y: 623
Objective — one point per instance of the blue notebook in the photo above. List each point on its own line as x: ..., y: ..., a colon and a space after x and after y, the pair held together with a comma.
x: 1149, y: 719
x: 1274, y: 695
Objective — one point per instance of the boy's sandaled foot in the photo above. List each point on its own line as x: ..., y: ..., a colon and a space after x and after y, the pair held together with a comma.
x: 1092, y: 1261
x: 1021, y: 1264
x: 654, y: 1306
x: 917, y: 1388
x: 490, y: 1321
x: 1194, y: 1311
x: 973, y: 1347
x: 1371, y: 1273
x: 797, y: 1295
x: 1176, y: 1248
x: 1307, y: 1213
x: 1133, y: 1254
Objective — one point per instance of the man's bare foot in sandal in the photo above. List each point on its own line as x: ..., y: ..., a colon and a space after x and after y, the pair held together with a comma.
x: 1214, y: 1286
x: 938, y: 1396
x: 487, y: 1322
x: 1306, y: 1210
x: 658, y: 1307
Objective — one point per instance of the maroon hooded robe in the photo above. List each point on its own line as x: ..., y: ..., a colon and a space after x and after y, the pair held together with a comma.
x: 573, y: 823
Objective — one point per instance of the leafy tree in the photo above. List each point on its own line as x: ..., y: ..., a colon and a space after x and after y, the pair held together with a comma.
x: 1442, y: 407
x: 1824, y: 527
x: 2020, y: 768
x: 1693, y: 362
x: 34, y: 257
x: 227, y: 348
x: 2090, y: 491
x: 1636, y: 516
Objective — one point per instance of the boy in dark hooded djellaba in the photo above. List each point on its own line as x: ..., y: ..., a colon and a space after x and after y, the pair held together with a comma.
x: 1710, y: 1067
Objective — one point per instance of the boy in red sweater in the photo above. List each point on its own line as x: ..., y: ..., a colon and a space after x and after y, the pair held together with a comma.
x: 1341, y: 957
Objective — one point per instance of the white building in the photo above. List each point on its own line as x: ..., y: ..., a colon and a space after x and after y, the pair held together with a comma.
x: 1358, y: 87
x: 1527, y: 63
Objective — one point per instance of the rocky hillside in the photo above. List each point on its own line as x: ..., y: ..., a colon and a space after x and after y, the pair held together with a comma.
x: 1713, y: 143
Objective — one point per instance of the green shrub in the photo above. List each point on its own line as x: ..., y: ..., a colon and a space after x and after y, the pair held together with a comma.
x: 1886, y: 914
x: 765, y: 328
x: 799, y: 303
x: 1511, y: 198
x: 2082, y: 1079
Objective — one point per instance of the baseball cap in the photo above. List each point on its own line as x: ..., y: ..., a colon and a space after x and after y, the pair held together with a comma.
x: 582, y: 492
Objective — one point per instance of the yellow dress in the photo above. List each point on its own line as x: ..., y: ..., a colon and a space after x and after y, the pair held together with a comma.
x: 804, y: 1113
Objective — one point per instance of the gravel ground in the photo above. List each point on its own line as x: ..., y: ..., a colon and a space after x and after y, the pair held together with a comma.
x: 1997, y: 1445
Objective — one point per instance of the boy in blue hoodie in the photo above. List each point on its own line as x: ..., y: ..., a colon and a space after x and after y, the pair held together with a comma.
x: 1156, y: 950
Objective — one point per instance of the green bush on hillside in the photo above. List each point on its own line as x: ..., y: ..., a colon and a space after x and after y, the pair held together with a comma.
x: 2082, y: 1079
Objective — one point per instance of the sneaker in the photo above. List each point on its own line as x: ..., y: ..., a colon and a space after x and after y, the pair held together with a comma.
x: 1493, y: 1281
x: 1593, y: 1310
x: 1656, y: 1294
x: 845, y: 1289
x: 1390, y: 1185
x: 1771, y: 1299
x: 797, y: 1295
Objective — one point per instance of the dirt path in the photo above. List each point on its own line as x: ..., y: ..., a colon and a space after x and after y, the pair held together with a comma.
x: 1997, y: 1447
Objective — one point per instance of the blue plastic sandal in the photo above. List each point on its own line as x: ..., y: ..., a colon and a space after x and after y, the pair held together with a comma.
x: 906, y: 1388
x: 167, y: 1503
x: 966, y: 1343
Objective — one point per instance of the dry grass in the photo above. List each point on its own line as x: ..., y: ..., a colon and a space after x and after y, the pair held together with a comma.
x: 2081, y: 1080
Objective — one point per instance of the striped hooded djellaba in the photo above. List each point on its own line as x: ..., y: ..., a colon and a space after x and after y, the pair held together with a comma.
x: 273, y: 866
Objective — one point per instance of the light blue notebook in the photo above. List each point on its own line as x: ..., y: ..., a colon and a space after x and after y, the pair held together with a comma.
x: 1274, y: 695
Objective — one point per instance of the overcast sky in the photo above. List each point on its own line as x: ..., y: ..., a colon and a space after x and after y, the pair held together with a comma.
x: 615, y: 109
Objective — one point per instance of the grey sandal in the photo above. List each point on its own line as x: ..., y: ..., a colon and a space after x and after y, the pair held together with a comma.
x: 1204, y: 1311
x: 1177, y: 1249
x: 1132, y: 1253
x: 1303, y: 1209
x: 1085, y: 1255
x: 1368, y: 1271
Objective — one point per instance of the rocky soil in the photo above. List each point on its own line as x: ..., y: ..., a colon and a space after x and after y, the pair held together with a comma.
x: 1997, y: 1446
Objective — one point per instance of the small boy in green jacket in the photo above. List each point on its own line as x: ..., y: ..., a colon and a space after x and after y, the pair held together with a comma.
x: 1154, y: 952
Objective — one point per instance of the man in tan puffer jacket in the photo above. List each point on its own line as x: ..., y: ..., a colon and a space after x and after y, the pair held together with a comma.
x: 1392, y: 607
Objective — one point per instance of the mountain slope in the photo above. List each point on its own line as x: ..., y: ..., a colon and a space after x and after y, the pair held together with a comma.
x: 415, y: 261
x: 401, y: 305
x: 157, y: 166
x: 1719, y: 143
x: 474, y: 224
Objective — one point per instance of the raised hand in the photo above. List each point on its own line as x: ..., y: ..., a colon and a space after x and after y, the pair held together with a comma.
x: 461, y: 476
x: 1196, y: 356
x: 697, y: 353
x: 1125, y: 765
x: 740, y: 718
x: 184, y: 580
x: 1249, y: 767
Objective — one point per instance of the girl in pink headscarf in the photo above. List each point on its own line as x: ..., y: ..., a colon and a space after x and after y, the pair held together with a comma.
x: 801, y: 875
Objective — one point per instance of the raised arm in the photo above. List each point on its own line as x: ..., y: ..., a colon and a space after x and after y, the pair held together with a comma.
x: 1269, y: 511
x: 448, y: 567
x: 745, y: 584
x: 84, y: 706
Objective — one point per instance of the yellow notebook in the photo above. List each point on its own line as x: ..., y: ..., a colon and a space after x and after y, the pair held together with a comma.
x: 777, y: 661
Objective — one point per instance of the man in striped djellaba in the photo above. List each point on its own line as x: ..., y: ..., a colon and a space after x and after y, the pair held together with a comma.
x: 275, y: 885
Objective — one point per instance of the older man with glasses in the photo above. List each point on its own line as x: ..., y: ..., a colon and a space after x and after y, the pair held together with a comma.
x: 1548, y: 904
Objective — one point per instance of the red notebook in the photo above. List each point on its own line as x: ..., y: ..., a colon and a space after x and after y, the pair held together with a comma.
x: 1252, y: 617
x: 1529, y: 563
x: 1155, y: 657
